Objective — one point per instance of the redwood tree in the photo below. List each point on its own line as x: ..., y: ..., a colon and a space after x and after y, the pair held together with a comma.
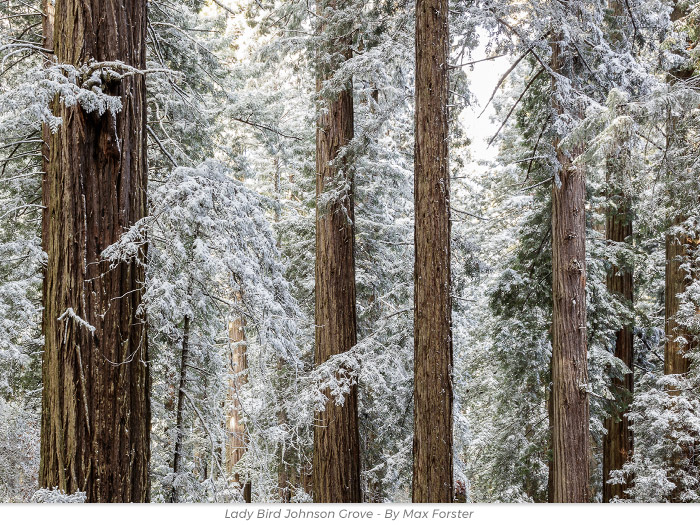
x: 678, y: 247
x: 96, y: 411
x: 336, y: 456
x: 237, y: 436
x: 432, y: 398
x: 570, y: 410
x: 617, y: 442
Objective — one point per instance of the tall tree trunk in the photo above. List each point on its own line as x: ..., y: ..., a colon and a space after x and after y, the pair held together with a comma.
x: 283, y: 477
x: 677, y: 337
x: 617, y: 443
x: 676, y: 283
x: 432, y: 398
x: 570, y: 443
x: 237, y: 443
x: 677, y: 342
x: 179, y: 421
x: 676, y: 345
x: 336, y: 457
x: 95, y: 407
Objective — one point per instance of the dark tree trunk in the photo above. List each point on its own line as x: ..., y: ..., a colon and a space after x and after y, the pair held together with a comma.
x: 336, y: 457
x: 432, y: 398
x: 283, y: 459
x: 617, y: 444
x: 570, y: 474
x: 179, y: 420
x: 96, y: 410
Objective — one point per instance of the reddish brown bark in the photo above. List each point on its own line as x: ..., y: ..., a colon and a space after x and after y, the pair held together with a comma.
x: 674, y: 360
x: 570, y: 469
x: 237, y: 442
x: 336, y: 457
x: 432, y: 398
x: 617, y: 444
x: 96, y: 412
x: 676, y: 346
x: 678, y: 340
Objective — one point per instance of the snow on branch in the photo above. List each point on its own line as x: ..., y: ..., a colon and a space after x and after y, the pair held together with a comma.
x: 28, y: 103
x: 70, y: 313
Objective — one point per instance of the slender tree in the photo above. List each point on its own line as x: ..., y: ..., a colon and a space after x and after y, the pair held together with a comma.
x: 432, y: 398
x: 179, y: 411
x: 570, y: 410
x: 617, y: 443
x: 336, y: 456
x: 237, y: 439
x: 675, y: 361
x: 96, y: 411
x: 678, y: 338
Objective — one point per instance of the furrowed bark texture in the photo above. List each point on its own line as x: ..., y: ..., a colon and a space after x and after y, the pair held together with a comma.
x: 96, y: 410
x: 336, y: 456
x: 432, y: 417
x: 617, y: 443
x: 570, y: 476
x: 237, y: 443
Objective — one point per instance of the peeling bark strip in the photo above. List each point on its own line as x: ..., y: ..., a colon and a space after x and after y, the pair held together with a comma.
x: 336, y: 458
x: 432, y: 398
x: 570, y: 475
x: 96, y: 410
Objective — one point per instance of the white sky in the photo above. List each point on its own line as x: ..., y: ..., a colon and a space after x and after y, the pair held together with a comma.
x: 482, y: 80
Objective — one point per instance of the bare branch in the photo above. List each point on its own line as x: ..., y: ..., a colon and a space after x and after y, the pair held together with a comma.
x: 532, y: 80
